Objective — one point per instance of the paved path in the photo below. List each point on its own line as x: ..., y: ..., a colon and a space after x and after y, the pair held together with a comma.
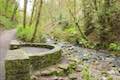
x: 5, y: 38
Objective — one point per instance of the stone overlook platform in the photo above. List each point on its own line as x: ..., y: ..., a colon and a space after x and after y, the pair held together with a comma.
x: 20, y: 63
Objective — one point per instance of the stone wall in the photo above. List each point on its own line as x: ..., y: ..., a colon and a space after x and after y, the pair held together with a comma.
x: 17, y: 66
x: 19, y: 63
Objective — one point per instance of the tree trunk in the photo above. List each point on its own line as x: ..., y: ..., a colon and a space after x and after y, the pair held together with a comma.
x: 77, y: 24
x: 105, y: 25
x: 75, y: 5
x: 6, y: 3
x: 14, y: 11
x: 38, y: 20
x: 33, y: 9
x: 25, y: 10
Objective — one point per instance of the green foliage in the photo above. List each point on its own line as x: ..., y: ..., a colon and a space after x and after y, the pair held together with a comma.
x: 114, y: 46
x: 65, y: 72
x: 71, y: 68
x: 69, y: 34
x: 6, y: 12
x: 86, y: 43
x: 7, y: 23
x: 71, y: 29
x: 86, y: 73
x: 98, y: 18
x: 24, y: 34
x: 6, y: 7
x: 40, y: 37
x: 101, y: 17
x: 109, y: 78
x: 1, y: 6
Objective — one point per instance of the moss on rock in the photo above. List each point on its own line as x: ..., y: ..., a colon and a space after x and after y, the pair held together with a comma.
x: 42, y: 61
x: 17, y: 66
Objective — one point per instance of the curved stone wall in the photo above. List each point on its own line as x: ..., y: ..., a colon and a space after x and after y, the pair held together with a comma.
x: 41, y: 59
x: 16, y: 57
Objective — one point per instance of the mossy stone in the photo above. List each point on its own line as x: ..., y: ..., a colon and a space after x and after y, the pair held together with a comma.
x: 17, y: 65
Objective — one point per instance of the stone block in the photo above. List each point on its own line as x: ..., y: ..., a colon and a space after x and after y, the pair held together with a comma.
x: 45, y: 60
x: 14, y: 44
x: 17, y: 65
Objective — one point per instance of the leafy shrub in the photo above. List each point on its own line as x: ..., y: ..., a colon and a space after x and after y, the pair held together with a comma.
x: 25, y: 34
x: 69, y: 34
x: 86, y: 73
x: 114, y: 47
x: 7, y: 23
x: 40, y: 37
x: 109, y: 78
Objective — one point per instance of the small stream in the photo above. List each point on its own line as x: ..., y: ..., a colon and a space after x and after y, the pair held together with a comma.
x: 90, y: 55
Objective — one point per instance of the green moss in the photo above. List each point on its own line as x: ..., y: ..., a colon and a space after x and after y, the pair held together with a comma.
x: 46, y: 60
x: 42, y: 60
x: 17, y: 66
x: 18, y: 77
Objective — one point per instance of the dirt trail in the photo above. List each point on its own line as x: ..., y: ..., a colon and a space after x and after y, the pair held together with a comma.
x: 5, y: 38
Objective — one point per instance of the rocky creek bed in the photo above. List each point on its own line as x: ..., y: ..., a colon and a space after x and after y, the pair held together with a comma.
x: 77, y: 64
x: 82, y: 64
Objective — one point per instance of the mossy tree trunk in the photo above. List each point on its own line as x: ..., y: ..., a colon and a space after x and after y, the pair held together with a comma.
x: 37, y: 21
x: 25, y: 10
x: 76, y: 22
x: 32, y: 14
